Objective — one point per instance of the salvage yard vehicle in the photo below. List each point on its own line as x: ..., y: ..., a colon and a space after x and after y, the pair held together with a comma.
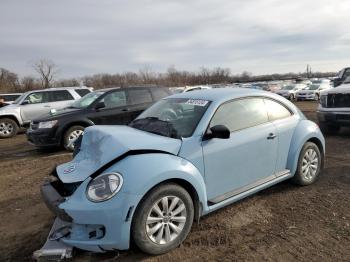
x: 334, y: 108
x: 341, y: 76
x: 289, y: 91
x: 113, y: 106
x: 33, y: 104
x: 9, y: 98
x: 186, y: 156
x: 312, y: 92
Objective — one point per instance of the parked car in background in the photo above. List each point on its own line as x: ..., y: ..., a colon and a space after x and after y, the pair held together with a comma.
x: 334, y: 108
x: 312, y: 92
x: 113, y: 106
x: 9, y: 98
x: 341, y: 77
x: 194, y: 88
x: 184, y: 157
x: 289, y: 91
x: 33, y: 104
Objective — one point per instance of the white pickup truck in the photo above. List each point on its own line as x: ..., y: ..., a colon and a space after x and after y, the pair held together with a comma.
x: 334, y: 108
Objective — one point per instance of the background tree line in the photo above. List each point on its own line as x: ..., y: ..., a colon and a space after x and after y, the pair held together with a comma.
x: 47, y: 77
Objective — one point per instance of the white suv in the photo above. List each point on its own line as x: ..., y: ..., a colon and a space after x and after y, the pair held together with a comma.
x: 33, y: 104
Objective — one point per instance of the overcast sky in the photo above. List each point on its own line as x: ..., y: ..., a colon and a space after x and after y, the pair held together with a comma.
x: 92, y: 36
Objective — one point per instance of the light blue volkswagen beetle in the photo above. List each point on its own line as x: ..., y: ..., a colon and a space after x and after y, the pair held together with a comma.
x: 184, y: 157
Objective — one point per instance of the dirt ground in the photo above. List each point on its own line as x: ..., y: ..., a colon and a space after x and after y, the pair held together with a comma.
x: 282, y: 223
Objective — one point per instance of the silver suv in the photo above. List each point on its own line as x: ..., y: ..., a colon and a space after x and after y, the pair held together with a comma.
x: 34, y: 104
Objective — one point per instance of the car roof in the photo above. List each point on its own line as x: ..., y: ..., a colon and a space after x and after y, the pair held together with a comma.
x: 222, y: 94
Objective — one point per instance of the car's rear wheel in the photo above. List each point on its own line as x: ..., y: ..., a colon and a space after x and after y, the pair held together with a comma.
x: 163, y: 219
x: 329, y: 129
x: 309, y: 165
x: 71, y: 135
x: 8, y: 128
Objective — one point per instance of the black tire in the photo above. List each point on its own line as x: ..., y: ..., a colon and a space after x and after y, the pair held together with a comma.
x: 8, y: 128
x: 68, y: 136
x: 139, y: 230
x: 317, y: 97
x: 300, y: 178
x: 329, y: 129
x: 291, y: 97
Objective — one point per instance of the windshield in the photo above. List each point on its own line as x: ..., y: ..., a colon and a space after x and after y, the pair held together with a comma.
x: 287, y: 88
x: 313, y: 87
x: 87, y: 100
x: 172, y: 117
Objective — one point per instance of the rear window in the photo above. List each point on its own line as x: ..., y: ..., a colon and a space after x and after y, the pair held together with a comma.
x: 9, y: 97
x: 82, y: 92
x: 140, y: 96
x: 60, y: 95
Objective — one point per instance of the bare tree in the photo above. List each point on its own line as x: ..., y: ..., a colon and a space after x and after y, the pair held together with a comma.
x: 47, y: 71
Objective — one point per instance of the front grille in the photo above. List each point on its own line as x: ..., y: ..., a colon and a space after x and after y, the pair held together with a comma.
x: 64, y: 189
x: 338, y: 100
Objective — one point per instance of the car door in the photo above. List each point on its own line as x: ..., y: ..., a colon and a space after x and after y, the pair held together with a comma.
x: 285, y: 122
x: 139, y: 100
x: 35, y: 105
x: 245, y: 160
x: 60, y: 99
x: 115, y: 109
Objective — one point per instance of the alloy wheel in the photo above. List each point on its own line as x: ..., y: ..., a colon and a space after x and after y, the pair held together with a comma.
x: 166, y: 220
x: 310, y: 164
x: 73, y: 136
x: 6, y: 128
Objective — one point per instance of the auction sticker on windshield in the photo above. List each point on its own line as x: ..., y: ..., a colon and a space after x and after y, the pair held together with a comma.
x: 197, y: 102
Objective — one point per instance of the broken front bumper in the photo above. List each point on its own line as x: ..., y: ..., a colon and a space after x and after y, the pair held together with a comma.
x: 90, y: 226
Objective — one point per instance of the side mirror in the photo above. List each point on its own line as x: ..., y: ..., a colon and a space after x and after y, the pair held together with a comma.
x: 100, y: 105
x: 218, y: 131
x: 25, y: 102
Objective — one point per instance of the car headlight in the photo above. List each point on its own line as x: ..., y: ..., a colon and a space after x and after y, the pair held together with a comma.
x: 104, y: 187
x: 47, y: 124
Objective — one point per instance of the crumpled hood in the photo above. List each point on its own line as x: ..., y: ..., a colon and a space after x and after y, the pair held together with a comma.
x: 102, y: 144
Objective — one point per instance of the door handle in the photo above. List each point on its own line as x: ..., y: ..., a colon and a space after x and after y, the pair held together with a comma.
x: 271, y: 136
x: 47, y: 106
x: 125, y: 109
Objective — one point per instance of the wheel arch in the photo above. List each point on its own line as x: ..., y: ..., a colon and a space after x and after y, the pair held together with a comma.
x: 12, y: 117
x: 74, y: 123
x: 306, y: 131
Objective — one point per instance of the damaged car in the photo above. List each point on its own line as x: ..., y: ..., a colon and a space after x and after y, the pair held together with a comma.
x: 186, y: 156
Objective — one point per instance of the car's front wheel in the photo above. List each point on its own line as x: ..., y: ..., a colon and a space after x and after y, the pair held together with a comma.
x: 291, y: 97
x: 8, y: 128
x: 309, y: 164
x: 71, y: 135
x: 163, y: 219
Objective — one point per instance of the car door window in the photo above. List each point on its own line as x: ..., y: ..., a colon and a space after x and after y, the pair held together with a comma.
x: 60, y: 95
x: 159, y: 93
x: 241, y: 114
x: 38, y: 97
x: 275, y: 110
x: 115, y: 99
x: 82, y: 92
x: 140, y: 96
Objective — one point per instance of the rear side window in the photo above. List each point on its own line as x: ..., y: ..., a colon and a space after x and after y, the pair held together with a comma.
x: 9, y: 97
x: 241, y: 114
x: 38, y: 97
x: 159, y: 93
x: 139, y: 96
x: 60, y: 95
x: 276, y: 110
x: 82, y: 92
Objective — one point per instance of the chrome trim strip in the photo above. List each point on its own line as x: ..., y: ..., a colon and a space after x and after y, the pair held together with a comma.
x: 248, y: 187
